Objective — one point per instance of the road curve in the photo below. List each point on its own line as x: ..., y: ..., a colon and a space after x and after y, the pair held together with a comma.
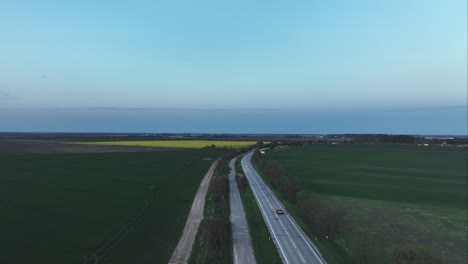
x: 241, y: 241
x: 293, y: 244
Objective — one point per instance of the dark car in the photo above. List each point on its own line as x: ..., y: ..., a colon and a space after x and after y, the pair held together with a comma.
x: 279, y: 211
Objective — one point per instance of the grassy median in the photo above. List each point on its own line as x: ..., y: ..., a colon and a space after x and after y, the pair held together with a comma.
x: 213, y: 243
x: 264, y: 249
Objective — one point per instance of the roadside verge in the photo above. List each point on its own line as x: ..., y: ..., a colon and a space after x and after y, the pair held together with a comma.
x: 264, y: 249
x: 184, y: 247
x: 242, y: 243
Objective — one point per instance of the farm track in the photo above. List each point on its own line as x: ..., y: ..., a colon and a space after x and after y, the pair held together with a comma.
x: 115, y: 237
x: 184, y: 247
x: 241, y: 240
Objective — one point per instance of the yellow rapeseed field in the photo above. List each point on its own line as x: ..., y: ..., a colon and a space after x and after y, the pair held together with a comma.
x: 176, y: 143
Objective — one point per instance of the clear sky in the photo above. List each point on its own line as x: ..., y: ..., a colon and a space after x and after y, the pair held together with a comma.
x: 332, y: 66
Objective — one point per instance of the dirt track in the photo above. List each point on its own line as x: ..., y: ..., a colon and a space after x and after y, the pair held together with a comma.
x: 184, y: 247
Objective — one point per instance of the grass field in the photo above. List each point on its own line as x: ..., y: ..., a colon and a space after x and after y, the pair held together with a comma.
x: 61, y: 208
x: 398, y: 195
x: 177, y: 143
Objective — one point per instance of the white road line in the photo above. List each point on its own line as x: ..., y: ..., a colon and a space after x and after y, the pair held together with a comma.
x: 235, y: 256
x: 279, y: 219
x: 300, y: 233
x: 247, y: 171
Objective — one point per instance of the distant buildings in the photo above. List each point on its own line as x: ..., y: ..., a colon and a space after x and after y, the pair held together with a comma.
x: 441, y: 138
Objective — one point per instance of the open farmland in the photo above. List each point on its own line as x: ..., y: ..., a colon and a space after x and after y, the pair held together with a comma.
x: 62, y: 208
x: 391, y: 196
x: 177, y: 143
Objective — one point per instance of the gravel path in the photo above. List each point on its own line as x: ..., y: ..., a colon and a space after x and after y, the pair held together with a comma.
x: 184, y: 247
x: 242, y: 243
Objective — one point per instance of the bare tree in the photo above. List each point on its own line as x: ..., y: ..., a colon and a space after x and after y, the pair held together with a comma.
x: 326, y: 221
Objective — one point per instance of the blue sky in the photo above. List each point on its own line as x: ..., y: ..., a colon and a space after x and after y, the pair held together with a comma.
x: 344, y: 60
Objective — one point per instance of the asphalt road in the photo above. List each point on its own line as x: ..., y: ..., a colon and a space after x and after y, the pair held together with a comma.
x: 241, y: 241
x: 293, y: 245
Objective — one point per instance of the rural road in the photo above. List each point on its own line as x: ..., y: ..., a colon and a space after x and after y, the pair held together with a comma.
x: 242, y: 243
x: 184, y: 247
x: 293, y: 244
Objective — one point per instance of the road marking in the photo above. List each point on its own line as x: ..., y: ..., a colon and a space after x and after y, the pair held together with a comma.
x: 246, y: 169
x: 260, y: 181
x: 235, y: 256
x: 300, y: 233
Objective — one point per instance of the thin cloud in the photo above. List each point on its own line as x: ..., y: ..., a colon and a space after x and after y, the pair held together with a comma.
x: 446, y: 107
x: 5, y: 95
x: 154, y: 109
x: 207, y: 109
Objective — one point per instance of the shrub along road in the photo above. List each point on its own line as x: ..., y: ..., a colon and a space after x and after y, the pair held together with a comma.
x: 293, y: 244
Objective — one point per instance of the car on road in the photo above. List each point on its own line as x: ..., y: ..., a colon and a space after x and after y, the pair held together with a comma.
x: 279, y: 211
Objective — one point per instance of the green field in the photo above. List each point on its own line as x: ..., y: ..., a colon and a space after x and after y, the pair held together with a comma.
x: 176, y: 143
x: 396, y: 195
x: 61, y: 208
